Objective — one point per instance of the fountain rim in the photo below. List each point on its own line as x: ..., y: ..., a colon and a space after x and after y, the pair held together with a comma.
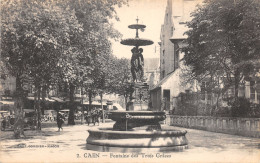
x: 140, y: 113
x: 108, y: 130
x: 136, y: 111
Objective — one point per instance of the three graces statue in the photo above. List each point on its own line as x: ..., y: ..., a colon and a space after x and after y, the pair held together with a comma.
x: 137, y: 64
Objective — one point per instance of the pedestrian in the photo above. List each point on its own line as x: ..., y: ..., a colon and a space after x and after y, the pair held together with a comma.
x: 3, y: 123
x: 60, y: 120
x: 88, y: 117
x: 98, y: 115
x: 94, y: 116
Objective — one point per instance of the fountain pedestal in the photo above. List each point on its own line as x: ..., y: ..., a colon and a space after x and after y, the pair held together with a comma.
x: 139, y: 97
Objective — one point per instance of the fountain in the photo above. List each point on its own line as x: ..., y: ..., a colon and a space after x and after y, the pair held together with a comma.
x: 136, y: 131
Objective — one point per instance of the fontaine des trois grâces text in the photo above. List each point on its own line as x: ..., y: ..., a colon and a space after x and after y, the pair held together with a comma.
x: 123, y: 155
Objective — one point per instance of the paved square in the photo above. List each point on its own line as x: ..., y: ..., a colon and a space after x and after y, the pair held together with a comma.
x: 69, y: 145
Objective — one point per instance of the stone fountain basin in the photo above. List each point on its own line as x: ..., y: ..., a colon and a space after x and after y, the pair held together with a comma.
x: 108, y: 140
x: 128, y: 120
x: 137, y: 115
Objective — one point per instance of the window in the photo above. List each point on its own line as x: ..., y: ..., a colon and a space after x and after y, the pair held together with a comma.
x: 206, y: 93
x: 257, y: 87
x: 163, y: 40
x: 31, y: 89
x: 241, y: 91
x: 176, y: 56
x: 252, y: 90
x: 167, y: 18
x: 172, y: 30
x: 209, y: 93
x: 231, y: 92
x: 163, y: 52
x: 163, y: 74
x: 203, y: 91
x: 7, y: 92
x: 77, y: 91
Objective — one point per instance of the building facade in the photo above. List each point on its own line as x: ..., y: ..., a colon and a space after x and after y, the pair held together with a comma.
x: 152, y: 71
x: 176, y: 14
x: 165, y: 94
x: 7, y: 85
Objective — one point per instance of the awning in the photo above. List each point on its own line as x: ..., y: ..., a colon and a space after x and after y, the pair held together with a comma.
x: 66, y: 110
x: 6, y: 102
x: 94, y: 103
x: 28, y: 110
x: 46, y: 99
x: 57, y: 99
x: 3, y: 111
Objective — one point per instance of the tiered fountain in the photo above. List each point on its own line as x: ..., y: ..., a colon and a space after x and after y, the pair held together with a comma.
x: 136, y: 131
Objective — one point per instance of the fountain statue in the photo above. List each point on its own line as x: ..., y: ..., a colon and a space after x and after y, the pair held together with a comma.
x: 137, y: 62
x: 135, y: 131
x: 137, y: 59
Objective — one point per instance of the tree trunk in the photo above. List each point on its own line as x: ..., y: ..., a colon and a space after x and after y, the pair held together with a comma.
x: 126, y: 102
x: 72, y: 105
x: 90, y: 100
x: 19, y: 114
x: 103, y: 114
x: 213, y: 110
x: 82, y: 107
x: 35, y: 108
x: 38, y: 108
x: 44, y: 95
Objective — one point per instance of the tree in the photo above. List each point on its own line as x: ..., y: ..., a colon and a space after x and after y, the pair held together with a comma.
x: 35, y: 35
x: 120, y: 80
x: 93, y: 43
x: 45, y: 42
x: 223, y: 38
x: 112, y: 75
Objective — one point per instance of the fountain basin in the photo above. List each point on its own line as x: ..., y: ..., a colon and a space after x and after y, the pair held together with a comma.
x: 136, y: 26
x: 136, y: 42
x: 108, y: 140
x: 127, y: 120
x: 154, y: 115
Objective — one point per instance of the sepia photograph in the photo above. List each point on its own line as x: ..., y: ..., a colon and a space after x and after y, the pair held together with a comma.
x: 130, y: 81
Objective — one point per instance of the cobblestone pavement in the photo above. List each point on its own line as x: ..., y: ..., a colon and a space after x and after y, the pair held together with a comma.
x: 69, y: 145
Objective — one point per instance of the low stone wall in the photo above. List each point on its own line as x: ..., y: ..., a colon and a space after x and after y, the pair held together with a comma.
x: 237, y: 126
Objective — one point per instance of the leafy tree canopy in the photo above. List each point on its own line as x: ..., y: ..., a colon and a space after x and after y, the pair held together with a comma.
x: 223, y: 39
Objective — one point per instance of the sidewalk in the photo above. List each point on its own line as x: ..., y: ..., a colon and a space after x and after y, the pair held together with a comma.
x: 49, y: 146
x: 69, y: 145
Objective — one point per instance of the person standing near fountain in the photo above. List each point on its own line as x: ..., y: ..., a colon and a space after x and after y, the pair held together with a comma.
x: 60, y: 120
x: 88, y: 117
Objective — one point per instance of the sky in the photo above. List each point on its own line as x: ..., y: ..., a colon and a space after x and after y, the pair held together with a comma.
x: 150, y: 13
